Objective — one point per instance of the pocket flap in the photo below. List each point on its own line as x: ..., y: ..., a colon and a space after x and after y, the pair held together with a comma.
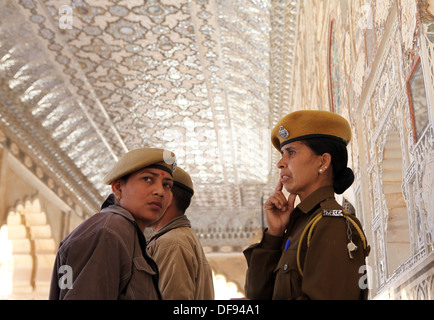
x: 141, y: 264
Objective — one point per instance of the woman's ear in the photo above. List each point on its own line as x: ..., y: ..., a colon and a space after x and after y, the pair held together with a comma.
x: 326, y: 160
x: 116, y: 188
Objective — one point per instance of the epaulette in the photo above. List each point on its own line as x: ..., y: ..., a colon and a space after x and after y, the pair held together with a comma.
x: 329, y: 213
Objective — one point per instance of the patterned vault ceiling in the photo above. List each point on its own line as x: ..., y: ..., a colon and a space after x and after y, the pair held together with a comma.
x: 84, y: 81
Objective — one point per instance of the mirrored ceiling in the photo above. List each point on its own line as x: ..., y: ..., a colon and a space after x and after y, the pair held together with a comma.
x: 84, y: 81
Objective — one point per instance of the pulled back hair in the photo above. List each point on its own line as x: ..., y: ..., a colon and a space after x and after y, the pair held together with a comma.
x: 181, y: 198
x: 343, y: 176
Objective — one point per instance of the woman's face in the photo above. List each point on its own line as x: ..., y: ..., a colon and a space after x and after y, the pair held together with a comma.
x: 299, y: 169
x: 146, y: 194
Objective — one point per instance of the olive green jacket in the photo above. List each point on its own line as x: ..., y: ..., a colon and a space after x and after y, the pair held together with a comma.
x: 328, y: 271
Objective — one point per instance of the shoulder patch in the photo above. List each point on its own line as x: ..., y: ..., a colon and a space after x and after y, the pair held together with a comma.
x: 332, y: 213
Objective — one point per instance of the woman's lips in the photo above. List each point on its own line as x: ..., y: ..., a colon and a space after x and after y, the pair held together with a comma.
x: 284, y: 178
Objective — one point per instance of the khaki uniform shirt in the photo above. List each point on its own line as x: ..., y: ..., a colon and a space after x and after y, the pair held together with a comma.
x: 328, y: 271
x: 104, y: 261
x: 184, y: 270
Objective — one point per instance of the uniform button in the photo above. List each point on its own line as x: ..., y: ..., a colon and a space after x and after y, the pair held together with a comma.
x: 285, y: 267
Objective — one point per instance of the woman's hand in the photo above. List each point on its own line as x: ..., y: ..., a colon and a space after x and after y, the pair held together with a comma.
x: 277, y: 210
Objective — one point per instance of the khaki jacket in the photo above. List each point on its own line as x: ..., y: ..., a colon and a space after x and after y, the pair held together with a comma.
x: 328, y: 271
x: 184, y: 270
x: 105, y: 259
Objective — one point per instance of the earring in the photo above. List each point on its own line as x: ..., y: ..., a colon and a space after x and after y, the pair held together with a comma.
x: 118, y: 196
x: 320, y: 170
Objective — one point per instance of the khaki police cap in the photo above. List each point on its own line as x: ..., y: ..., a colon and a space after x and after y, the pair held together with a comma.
x: 183, y: 180
x: 306, y: 124
x: 142, y: 158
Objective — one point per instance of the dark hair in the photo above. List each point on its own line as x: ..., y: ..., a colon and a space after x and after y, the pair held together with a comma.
x: 181, y: 198
x: 125, y: 177
x: 343, y: 176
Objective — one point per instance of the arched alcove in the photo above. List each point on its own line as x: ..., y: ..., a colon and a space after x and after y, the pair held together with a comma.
x: 397, y: 233
x: 33, y: 250
x: 225, y: 289
x: 232, y: 267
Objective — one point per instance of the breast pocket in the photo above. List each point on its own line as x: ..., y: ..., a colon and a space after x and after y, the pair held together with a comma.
x: 287, y: 278
x: 141, y: 265
x: 141, y: 284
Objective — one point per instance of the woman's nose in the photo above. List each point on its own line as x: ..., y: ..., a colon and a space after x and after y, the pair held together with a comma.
x: 281, y: 163
x: 158, y: 189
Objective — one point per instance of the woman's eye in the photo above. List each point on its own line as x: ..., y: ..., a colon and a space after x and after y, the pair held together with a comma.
x: 147, y: 178
x: 289, y: 151
x: 168, y: 185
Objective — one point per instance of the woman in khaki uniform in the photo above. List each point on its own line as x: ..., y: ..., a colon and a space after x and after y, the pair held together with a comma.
x: 105, y: 257
x: 316, y: 250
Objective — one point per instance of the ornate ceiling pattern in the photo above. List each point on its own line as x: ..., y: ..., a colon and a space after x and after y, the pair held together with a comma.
x: 84, y: 81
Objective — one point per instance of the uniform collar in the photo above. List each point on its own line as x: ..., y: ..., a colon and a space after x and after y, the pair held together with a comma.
x: 178, y: 222
x: 110, y: 205
x: 119, y: 210
x: 315, y: 198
